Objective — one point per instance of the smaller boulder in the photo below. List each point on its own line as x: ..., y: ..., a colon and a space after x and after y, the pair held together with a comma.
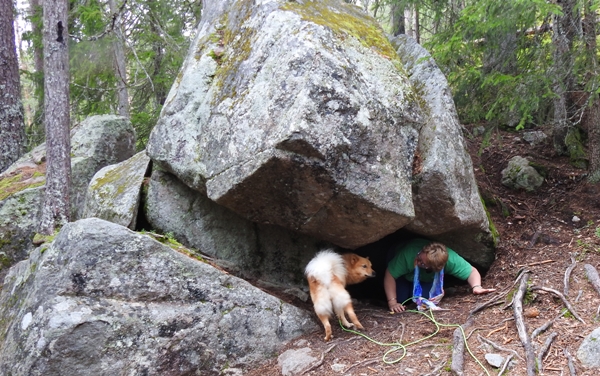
x: 535, y: 137
x: 519, y: 174
x: 494, y: 360
x: 589, y: 351
x: 296, y: 361
x: 114, y: 192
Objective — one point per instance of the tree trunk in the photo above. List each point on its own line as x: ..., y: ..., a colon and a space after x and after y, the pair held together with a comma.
x: 397, y: 19
x: 56, y: 209
x: 594, y: 141
x: 36, y: 134
x: 592, y: 118
x: 120, y: 64
x: 12, y: 126
x: 409, y: 25
x: 565, y: 28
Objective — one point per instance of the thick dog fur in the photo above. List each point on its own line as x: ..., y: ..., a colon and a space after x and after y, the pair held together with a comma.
x: 328, y: 273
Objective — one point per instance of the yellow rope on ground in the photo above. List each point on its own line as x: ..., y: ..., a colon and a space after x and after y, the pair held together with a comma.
x: 398, y: 346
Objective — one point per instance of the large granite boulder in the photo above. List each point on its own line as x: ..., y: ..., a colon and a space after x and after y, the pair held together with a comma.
x: 97, y: 142
x: 302, y: 114
x: 103, y: 300
x: 295, y: 114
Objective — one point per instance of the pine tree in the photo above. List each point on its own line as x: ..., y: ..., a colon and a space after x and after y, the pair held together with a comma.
x: 56, y: 208
x: 12, y: 127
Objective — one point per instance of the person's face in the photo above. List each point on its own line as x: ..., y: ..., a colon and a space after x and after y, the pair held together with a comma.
x: 421, y: 262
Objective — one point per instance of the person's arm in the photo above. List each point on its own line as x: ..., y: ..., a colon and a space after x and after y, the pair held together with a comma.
x: 474, y: 281
x: 389, y: 285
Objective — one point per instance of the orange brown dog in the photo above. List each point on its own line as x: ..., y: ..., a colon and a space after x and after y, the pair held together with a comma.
x: 328, y: 273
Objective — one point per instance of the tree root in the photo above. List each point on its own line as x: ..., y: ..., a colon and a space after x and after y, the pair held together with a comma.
x: 363, y: 363
x: 492, y: 302
x: 505, y: 366
x: 546, y: 326
x: 592, y: 275
x: 520, y: 323
x: 522, y: 272
x: 544, y: 350
x: 498, y: 347
x: 570, y: 362
x: 568, y: 275
x: 562, y: 297
x: 541, y: 329
x: 437, y: 369
x: 458, y: 352
x: 320, y: 362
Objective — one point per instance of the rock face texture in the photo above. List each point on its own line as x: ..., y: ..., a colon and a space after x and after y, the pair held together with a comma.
x: 267, y: 253
x: 305, y: 116
x: 447, y: 203
x: 97, y: 142
x: 103, y: 300
x: 296, y: 115
x: 589, y: 350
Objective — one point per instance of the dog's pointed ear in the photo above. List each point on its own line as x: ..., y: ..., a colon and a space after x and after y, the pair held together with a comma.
x: 354, y: 258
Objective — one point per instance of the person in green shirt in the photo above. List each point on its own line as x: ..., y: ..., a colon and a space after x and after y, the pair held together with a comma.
x: 428, y: 261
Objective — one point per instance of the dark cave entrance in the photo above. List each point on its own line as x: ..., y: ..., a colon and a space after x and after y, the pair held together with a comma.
x: 379, y: 252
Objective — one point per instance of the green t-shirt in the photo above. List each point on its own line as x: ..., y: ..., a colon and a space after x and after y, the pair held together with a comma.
x: 403, y: 263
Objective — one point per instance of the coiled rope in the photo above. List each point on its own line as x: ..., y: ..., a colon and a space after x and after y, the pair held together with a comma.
x: 396, y: 346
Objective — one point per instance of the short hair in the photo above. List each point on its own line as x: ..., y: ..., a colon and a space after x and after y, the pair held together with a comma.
x: 436, y: 255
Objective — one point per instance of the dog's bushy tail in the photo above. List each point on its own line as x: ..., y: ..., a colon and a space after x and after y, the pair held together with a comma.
x: 325, y: 265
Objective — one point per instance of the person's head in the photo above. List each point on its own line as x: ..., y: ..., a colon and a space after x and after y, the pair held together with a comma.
x: 432, y: 257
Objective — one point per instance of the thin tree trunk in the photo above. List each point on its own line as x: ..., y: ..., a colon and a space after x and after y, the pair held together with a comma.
x: 37, y: 131
x: 120, y: 63
x: 564, y: 30
x: 417, y: 26
x: 56, y: 209
x: 160, y: 89
x: 12, y: 126
x: 409, y: 25
x: 594, y: 140
x: 397, y: 19
x: 592, y: 118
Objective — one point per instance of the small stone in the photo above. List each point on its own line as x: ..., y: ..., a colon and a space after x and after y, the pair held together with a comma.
x: 338, y: 367
x: 293, y: 362
x: 494, y: 360
x: 575, y: 219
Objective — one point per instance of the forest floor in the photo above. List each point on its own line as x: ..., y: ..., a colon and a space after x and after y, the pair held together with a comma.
x: 544, y: 233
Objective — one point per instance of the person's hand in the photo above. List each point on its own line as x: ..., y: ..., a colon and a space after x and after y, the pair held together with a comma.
x: 395, y: 306
x: 478, y: 290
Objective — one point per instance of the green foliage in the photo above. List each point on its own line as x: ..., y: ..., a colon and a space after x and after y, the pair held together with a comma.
x: 497, y: 71
x: 584, y: 248
x: 156, y: 38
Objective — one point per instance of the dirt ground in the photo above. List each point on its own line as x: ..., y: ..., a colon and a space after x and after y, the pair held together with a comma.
x: 542, y: 233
